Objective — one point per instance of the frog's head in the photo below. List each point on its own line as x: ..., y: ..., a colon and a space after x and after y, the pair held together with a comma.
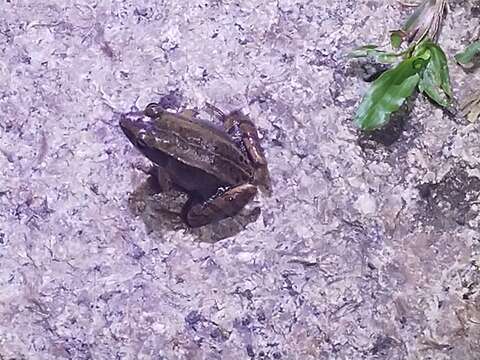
x: 137, y: 130
x: 141, y: 132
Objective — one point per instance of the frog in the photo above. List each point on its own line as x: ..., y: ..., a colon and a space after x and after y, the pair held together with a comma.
x: 219, y: 168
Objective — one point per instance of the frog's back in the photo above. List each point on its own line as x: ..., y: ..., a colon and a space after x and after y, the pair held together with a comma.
x: 202, y: 146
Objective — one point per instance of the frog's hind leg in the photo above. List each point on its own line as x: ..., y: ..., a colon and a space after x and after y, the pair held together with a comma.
x: 239, y: 126
x: 226, y: 204
x: 244, y: 133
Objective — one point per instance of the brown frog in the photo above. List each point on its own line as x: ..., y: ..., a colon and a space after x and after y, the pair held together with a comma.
x: 219, y: 169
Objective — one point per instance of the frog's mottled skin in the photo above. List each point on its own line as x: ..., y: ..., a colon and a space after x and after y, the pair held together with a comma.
x: 219, y: 169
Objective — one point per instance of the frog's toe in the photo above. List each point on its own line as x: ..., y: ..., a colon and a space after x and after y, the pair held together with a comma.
x: 141, y: 166
x: 220, y: 207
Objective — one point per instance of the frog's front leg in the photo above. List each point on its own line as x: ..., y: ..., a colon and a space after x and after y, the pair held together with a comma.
x: 221, y: 206
x: 158, y: 174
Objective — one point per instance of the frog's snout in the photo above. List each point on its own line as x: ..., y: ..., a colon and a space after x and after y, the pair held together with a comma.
x: 129, y: 127
x: 125, y: 124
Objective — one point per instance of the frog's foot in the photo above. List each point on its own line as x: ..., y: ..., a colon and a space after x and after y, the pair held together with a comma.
x: 141, y: 166
x: 219, y: 207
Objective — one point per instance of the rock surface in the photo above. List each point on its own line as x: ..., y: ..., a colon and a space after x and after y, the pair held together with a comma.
x: 367, y: 249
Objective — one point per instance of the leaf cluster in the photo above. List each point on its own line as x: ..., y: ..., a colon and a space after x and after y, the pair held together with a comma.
x: 423, y: 67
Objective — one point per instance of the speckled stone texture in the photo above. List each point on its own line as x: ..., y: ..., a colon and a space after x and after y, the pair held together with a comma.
x: 367, y: 249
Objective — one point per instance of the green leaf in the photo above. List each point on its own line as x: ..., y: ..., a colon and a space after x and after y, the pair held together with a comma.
x: 396, y: 38
x: 435, y: 80
x: 422, y: 50
x: 388, y: 93
x: 429, y: 87
x: 439, y: 64
x: 468, y: 54
x: 373, y: 51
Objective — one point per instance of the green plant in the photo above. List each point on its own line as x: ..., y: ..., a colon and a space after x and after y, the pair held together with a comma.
x: 422, y: 65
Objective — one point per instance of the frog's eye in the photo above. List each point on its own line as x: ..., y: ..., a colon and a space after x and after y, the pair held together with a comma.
x: 153, y: 110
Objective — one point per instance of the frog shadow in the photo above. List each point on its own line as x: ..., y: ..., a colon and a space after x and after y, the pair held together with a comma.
x: 161, y: 211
